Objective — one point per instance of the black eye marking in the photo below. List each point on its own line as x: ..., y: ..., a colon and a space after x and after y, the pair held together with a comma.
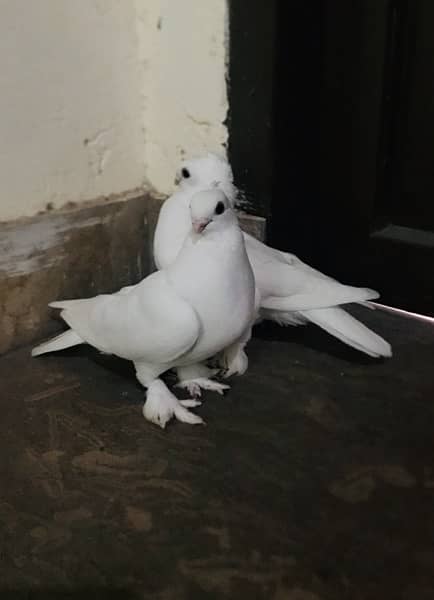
x: 185, y: 173
x: 220, y: 208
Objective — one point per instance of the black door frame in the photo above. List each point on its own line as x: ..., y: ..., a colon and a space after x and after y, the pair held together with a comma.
x: 354, y: 143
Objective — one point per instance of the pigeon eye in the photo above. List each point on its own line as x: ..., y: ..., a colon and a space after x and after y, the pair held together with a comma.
x: 185, y: 173
x: 220, y: 208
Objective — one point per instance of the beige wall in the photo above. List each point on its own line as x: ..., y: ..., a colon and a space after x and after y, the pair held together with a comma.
x: 99, y: 97
x: 186, y: 101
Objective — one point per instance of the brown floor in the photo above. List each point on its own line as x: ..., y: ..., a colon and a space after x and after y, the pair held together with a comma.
x: 313, y: 479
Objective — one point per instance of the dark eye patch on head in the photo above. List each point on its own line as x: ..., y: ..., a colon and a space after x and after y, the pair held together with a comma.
x: 220, y: 208
x: 185, y: 173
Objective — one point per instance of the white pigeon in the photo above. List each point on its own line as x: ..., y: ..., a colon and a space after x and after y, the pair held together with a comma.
x: 180, y: 316
x: 291, y: 292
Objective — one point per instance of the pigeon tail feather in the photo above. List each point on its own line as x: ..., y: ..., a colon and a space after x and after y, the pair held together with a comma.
x: 331, y: 296
x: 349, y: 330
x: 64, y: 340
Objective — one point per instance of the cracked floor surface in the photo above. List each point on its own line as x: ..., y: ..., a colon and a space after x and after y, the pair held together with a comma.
x: 313, y: 479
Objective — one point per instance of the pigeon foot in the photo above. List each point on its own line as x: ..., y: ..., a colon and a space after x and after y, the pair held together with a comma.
x: 161, y: 405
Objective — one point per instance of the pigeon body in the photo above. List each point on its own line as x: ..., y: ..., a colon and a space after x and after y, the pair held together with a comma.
x: 291, y: 292
x: 176, y: 317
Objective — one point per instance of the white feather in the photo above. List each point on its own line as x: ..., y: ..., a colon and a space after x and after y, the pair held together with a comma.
x: 64, y: 340
x: 291, y: 291
x: 201, y: 304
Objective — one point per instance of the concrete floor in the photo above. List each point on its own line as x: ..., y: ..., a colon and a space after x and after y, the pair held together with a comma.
x: 313, y: 479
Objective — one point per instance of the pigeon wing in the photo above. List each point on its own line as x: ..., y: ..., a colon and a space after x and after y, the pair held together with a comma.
x: 150, y: 322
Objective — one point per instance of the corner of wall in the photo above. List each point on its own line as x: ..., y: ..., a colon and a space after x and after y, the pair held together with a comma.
x: 186, y: 100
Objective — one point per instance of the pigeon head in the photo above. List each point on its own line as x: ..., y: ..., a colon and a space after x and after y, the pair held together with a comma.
x: 207, y: 172
x: 209, y: 209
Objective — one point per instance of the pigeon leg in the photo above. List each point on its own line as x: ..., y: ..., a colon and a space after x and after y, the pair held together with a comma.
x: 234, y: 358
x: 235, y: 361
x: 161, y: 405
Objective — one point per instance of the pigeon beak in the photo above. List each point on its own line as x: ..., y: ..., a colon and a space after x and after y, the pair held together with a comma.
x: 199, y: 226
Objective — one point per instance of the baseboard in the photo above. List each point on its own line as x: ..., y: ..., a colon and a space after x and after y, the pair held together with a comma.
x: 67, y: 254
x: 75, y: 253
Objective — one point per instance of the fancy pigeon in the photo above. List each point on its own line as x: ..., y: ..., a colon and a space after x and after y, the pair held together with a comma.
x: 202, y: 303
x: 291, y: 292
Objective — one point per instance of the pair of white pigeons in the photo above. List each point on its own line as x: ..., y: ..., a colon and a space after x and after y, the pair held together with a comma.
x: 214, y: 282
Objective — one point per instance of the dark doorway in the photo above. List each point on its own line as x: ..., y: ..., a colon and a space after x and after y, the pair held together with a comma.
x: 337, y: 104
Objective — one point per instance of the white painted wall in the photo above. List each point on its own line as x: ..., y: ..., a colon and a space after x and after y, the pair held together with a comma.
x: 99, y: 97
